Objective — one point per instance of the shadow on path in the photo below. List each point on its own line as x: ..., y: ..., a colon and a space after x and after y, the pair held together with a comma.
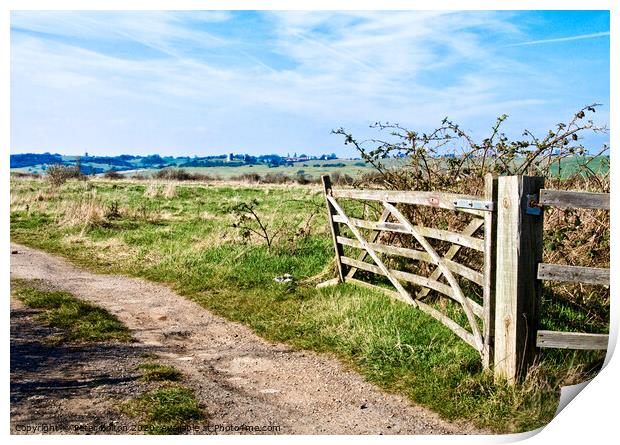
x: 66, y: 385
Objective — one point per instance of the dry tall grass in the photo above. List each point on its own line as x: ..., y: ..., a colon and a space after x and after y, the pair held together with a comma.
x: 152, y: 190
x: 85, y: 212
x: 170, y: 190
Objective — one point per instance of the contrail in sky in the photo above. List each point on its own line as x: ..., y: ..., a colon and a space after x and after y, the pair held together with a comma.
x: 563, y: 39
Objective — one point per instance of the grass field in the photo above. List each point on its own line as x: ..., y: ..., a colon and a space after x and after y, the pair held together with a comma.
x: 315, y: 168
x: 355, y: 168
x: 312, y: 169
x: 184, y: 235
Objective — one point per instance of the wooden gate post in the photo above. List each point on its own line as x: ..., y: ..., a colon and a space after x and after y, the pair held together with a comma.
x: 335, y: 231
x: 517, y: 289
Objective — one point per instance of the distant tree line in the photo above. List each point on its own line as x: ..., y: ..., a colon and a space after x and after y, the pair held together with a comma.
x: 30, y: 159
x: 100, y: 164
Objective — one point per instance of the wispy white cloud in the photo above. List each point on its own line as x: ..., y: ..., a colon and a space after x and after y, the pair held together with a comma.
x: 152, y: 25
x: 286, y: 85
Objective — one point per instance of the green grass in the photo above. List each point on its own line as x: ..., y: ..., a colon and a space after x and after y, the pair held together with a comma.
x: 156, y: 372
x: 187, y: 242
x: 170, y: 409
x: 572, y: 165
x: 77, y: 320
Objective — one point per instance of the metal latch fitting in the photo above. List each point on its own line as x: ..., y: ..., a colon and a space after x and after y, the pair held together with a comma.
x: 473, y: 204
x: 533, y: 206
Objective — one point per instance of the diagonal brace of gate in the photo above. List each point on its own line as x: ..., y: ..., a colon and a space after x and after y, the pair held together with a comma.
x: 384, y: 216
x: 451, y: 253
x: 458, y: 293
x: 403, y: 294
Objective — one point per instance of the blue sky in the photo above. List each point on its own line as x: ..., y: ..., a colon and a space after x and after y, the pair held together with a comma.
x: 209, y: 82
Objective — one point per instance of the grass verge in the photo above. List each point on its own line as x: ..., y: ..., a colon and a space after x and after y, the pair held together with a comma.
x: 77, y: 320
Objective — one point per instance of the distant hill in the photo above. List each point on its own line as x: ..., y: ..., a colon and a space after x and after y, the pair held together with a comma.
x: 38, y: 163
x: 31, y: 159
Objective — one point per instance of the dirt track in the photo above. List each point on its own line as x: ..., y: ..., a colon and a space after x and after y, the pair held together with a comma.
x: 239, y: 377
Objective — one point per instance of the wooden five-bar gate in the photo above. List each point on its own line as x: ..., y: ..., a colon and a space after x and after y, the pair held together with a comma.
x: 505, y: 227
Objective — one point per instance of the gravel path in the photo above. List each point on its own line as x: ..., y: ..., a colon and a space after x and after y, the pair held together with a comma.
x: 240, y: 378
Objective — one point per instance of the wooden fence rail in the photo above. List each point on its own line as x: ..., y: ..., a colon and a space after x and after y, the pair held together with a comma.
x: 573, y: 274
x: 504, y: 328
x: 564, y: 199
x: 571, y: 340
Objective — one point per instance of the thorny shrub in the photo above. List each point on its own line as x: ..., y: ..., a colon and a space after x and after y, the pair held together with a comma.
x: 57, y: 174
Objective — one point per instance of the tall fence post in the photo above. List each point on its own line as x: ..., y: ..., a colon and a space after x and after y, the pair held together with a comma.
x: 517, y: 289
x: 335, y: 231
x: 488, y: 288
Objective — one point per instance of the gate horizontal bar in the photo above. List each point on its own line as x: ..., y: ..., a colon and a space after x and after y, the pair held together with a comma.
x: 418, y: 255
x: 431, y: 199
x: 444, y: 235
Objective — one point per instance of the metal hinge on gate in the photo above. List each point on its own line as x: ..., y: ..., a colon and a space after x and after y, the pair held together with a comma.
x: 473, y: 204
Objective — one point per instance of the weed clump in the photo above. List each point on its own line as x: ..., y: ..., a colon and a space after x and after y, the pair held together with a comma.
x: 152, y: 190
x: 170, y: 191
x: 247, y: 177
x: 85, y: 212
x: 57, y: 174
x: 179, y: 174
x: 156, y: 372
x: 174, y: 174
